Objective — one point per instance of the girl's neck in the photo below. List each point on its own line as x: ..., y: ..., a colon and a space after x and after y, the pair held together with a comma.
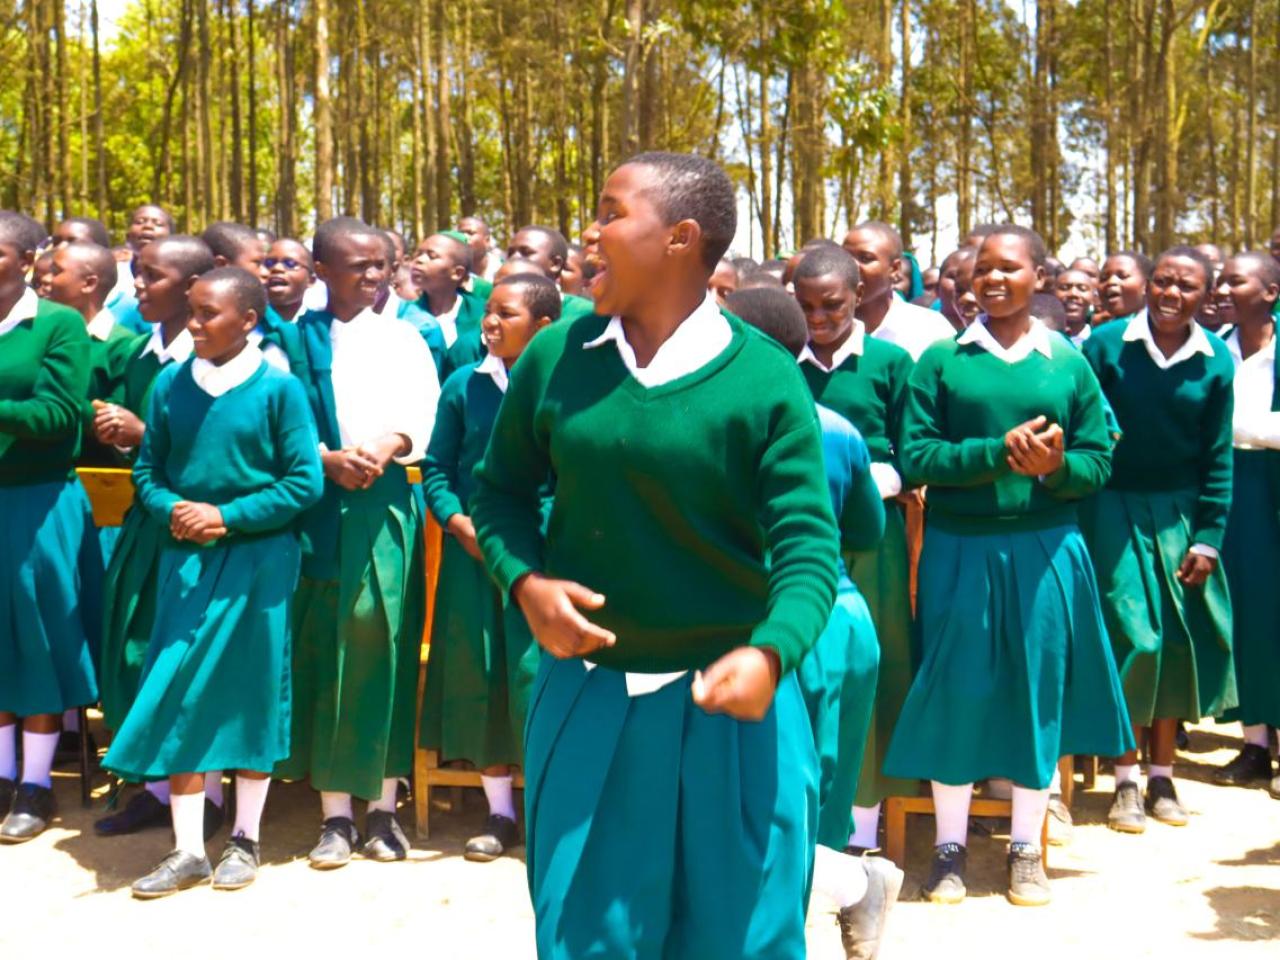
x: 172, y: 328
x: 9, y: 298
x: 441, y: 302
x: 1173, y: 341
x: 650, y: 326
x: 1254, y: 333
x: 288, y: 311
x: 1008, y: 330
x: 827, y: 352
x: 345, y: 312
x: 872, y: 313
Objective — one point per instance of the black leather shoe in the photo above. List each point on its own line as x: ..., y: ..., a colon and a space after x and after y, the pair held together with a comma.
x: 384, y: 840
x: 946, y: 875
x: 177, y: 871
x: 7, y: 790
x: 1251, y: 765
x: 214, y: 818
x: 32, y: 809
x: 1163, y: 804
x: 1126, y: 815
x: 142, y: 812
x: 238, y: 866
x: 499, y: 835
x: 338, y: 837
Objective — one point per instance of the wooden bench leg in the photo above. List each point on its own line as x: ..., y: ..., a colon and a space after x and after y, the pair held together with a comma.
x: 1067, y: 771
x: 1090, y: 772
x: 895, y: 831
x: 423, y: 761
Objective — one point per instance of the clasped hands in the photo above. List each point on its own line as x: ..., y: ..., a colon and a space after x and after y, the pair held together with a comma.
x: 1034, y: 448
x: 357, y: 468
x: 200, y: 523
x: 114, y: 425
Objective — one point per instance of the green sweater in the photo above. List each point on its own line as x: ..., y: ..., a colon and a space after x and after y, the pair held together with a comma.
x: 44, y: 375
x: 668, y: 500
x: 252, y: 452
x: 962, y: 400
x: 108, y: 360
x: 869, y: 391
x: 1175, y: 424
x: 464, y: 420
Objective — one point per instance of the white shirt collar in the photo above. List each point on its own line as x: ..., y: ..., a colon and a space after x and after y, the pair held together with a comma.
x: 100, y: 326
x: 852, y: 347
x: 496, y: 369
x: 1139, y: 329
x: 1035, y: 339
x: 215, y: 380
x: 913, y: 328
x: 697, y: 341
x: 1265, y: 356
x: 178, y: 350
x: 338, y: 328
x: 24, y: 309
x: 1085, y: 333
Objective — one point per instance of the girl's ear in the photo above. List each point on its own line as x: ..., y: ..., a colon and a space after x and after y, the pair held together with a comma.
x: 459, y: 274
x: 250, y: 320
x: 685, y: 236
x: 543, y: 321
x: 1040, y: 275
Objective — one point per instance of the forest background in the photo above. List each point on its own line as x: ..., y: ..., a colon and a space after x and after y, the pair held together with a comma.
x: 1106, y: 123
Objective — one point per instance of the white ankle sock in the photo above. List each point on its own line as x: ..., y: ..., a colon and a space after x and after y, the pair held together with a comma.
x: 386, y: 802
x: 213, y: 787
x: 866, y: 827
x: 1256, y: 734
x: 188, y: 822
x: 839, y: 877
x: 951, y: 809
x: 1029, y: 807
x: 1055, y: 785
x: 37, y: 757
x: 1154, y: 770
x: 9, y: 752
x: 497, y: 790
x: 251, y: 799
x: 1126, y: 773
x: 71, y: 720
x: 158, y: 789
x: 336, y: 805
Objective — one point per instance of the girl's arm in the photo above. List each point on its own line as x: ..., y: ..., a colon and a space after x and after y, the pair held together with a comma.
x: 440, y: 467
x: 150, y: 480
x: 1215, y: 466
x: 862, y: 515
x: 54, y: 408
x: 1086, y: 460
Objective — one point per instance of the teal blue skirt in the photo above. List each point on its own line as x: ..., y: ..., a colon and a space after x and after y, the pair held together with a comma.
x: 50, y: 598
x: 129, y: 611
x: 657, y: 830
x: 838, y: 682
x: 1016, y: 670
x: 215, y: 690
x: 1251, y: 559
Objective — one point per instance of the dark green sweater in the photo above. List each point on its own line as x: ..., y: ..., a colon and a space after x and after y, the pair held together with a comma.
x: 869, y: 391
x: 464, y: 420
x: 44, y: 376
x: 961, y: 402
x: 668, y: 499
x: 108, y: 360
x: 1175, y: 424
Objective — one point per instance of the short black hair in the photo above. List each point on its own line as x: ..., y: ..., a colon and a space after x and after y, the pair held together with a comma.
x: 97, y: 230
x: 19, y: 230
x: 245, y: 288
x: 776, y: 267
x: 1049, y: 310
x: 1191, y: 253
x: 539, y: 293
x: 559, y: 245
x: 1268, y: 268
x: 772, y: 311
x: 310, y: 264
x: 100, y: 260
x: 758, y: 278
x: 228, y: 240
x: 959, y: 253
x: 694, y: 188
x: 337, y: 230
x: 1140, y: 260
x: 824, y: 261
x: 744, y: 265
x: 189, y: 254
x: 886, y: 231
x: 168, y: 217
x: 1038, y: 252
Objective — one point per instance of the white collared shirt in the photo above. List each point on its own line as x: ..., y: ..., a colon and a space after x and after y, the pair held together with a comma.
x: 392, y: 307
x: 496, y: 370
x: 1254, y: 424
x: 698, y: 340
x: 100, y: 326
x: 384, y: 381
x: 315, y: 298
x: 1036, y: 339
x: 177, y: 351
x: 24, y: 309
x: 852, y: 347
x: 216, y: 380
x: 1085, y: 333
x: 270, y: 352
x: 1139, y: 329
x: 448, y: 322
x: 913, y: 328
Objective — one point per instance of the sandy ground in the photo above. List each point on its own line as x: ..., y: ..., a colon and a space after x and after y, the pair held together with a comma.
x: 1210, y: 890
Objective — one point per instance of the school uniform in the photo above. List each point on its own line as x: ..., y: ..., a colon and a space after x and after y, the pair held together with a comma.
x: 280, y: 343
x: 1251, y: 545
x: 360, y: 604
x: 214, y: 692
x: 867, y: 384
x: 1078, y: 339
x: 1015, y: 669
x: 838, y: 676
x: 50, y: 563
x: 694, y: 502
x: 1170, y: 491
x: 130, y: 586
x: 441, y: 333
x: 911, y: 327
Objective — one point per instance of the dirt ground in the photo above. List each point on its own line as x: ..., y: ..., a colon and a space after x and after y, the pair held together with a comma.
x: 1210, y: 890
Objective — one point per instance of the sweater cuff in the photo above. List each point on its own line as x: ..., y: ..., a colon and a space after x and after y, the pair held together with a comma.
x: 1055, y: 480
x: 789, y: 654
x: 232, y: 515
x: 507, y: 570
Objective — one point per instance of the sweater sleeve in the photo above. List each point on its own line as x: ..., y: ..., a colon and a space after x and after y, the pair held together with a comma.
x: 1086, y: 462
x: 927, y: 456
x: 150, y: 477
x: 54, y: 408
x: 440, y: 468
x: 300, y: 481
x: 794, y: 508
x: 1215, y: 465
x: 862, y: 514
x: 899, y: 381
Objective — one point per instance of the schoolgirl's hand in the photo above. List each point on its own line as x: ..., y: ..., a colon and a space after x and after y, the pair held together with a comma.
x: 464, y: 531
x: 200, y: 523
x: 1195, y: 569
x: 116, y: 425
x: 551, y: 607
x: 741, y: 683
x: 1037, y: 454
x: 1017, y: 438
x: 348, y: 469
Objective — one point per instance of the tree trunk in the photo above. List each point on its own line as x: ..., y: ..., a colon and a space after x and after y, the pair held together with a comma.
x: 444, y: 128
x: 1251, y: 133
x: 99, y: 138
x: 236, y: 179
x: 905, y: 192
x: 632, y: 66
x: 323, y: 114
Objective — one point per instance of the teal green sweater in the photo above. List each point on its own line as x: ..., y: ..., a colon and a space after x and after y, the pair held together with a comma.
x: 44, y: 375
x: 668, y: 500
x: 253, y: 452
x: 1175, y: 424
x: 869, y: 391
x: 962, y: 400
x: 464, y: 420
x: 108, y: 360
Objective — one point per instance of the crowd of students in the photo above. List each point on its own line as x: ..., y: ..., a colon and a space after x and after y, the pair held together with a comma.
x: 675, y: 588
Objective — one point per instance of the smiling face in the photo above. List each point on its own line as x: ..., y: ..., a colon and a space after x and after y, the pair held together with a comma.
x: 1004, y: 276
x: 1241, y: 294
x: 1076, y: 291
x: 219, y: 328
x: 878, y: 263
x: 288, y: 267
x: 1123, y: 286
x: 508, y: 323
x: 954, y: 267
x: 161, y: 287
x: 148, y: 223
x: 1177, y: 288
x: 354, y: 271
x: 829, y: 307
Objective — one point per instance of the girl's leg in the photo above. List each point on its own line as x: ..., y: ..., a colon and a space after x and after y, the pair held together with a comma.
x: 951, y: 808
x: 1162, y: 799
x: 338, y: 836
x: 8, y: 749
x: 499, y: 832
x: 251, y: 800
x: 946, y: 876
x: 866, y: 828
x: 39, y: 744
x: 1028, y: 885
x: 1162, y: 747
x: 186, y: 803
x: 1256, y: 734
x: 498, y: 791
x: 1029, y: 807
x: 387, y: 801
x: 1127, y: 764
